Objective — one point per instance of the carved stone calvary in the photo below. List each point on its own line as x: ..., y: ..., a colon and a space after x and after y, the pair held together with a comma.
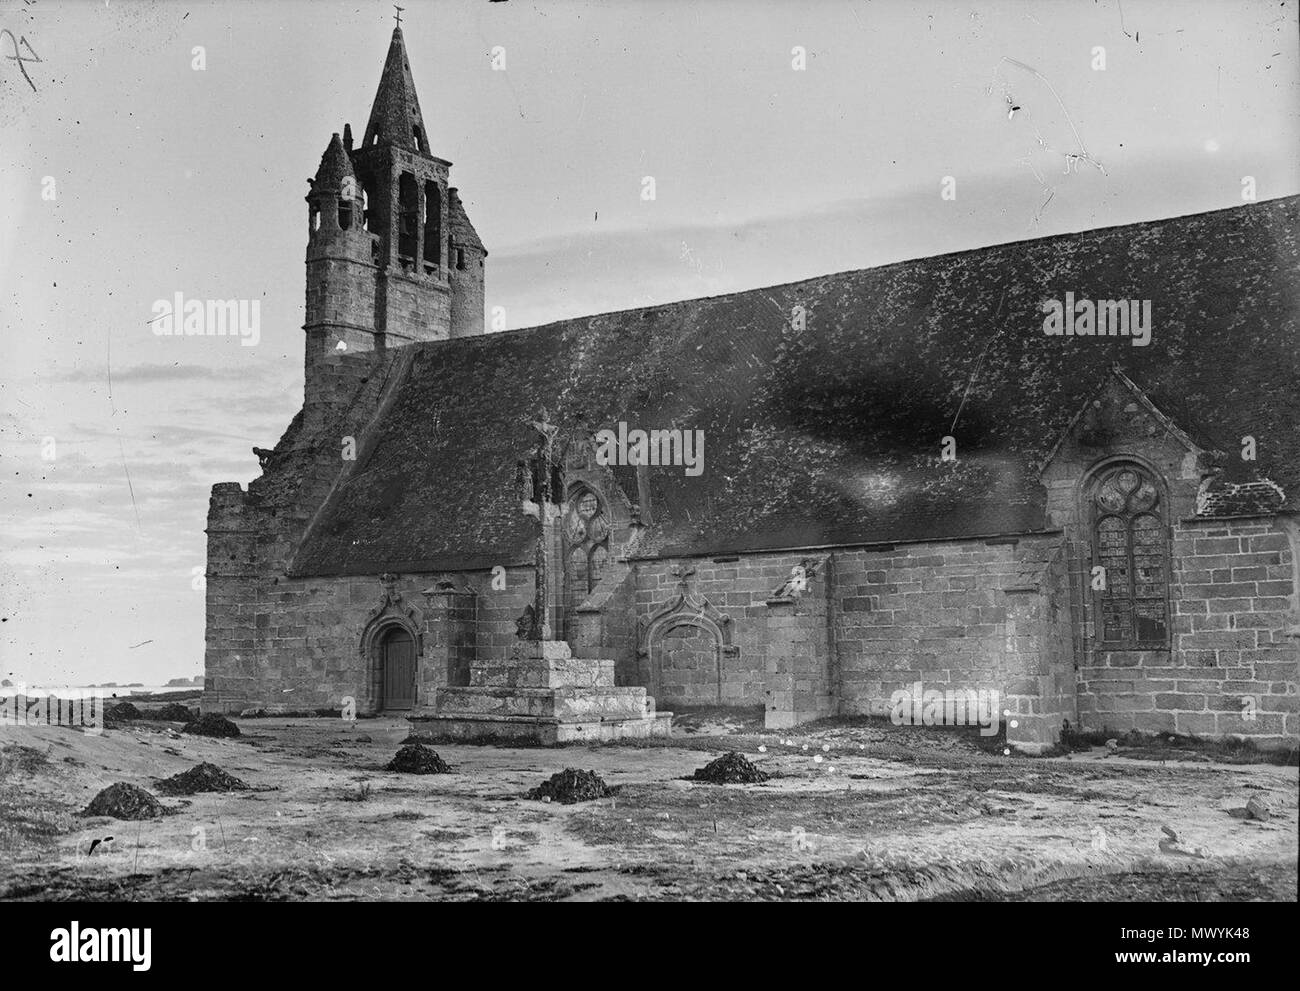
x: 538, y: 691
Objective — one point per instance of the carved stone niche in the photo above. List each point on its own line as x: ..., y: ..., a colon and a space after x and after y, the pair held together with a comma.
x: 796, y: 586
x: 681, y: 671
x: 393, y: 610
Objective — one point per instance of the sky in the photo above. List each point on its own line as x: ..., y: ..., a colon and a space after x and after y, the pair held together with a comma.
x: 129, y: 173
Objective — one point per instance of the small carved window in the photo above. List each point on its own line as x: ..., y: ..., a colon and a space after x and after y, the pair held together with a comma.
x: 586, y: 537
x: 1132, y: 586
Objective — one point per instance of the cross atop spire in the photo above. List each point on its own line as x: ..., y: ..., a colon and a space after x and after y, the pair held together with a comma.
x: 398, y: 16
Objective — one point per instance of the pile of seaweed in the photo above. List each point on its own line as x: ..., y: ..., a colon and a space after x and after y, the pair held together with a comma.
x: 418, y: 759
x: 121, y: 712
x: 730, y: 769
x: 211, y: 724
x: 172, y: 712
x: 572, y: 785
x: 124, y: 801
x: 203, y: 777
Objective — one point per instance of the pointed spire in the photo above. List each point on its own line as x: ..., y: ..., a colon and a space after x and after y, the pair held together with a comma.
x: 335, y: 167
x: 462, y: 231
x: 395, y: 118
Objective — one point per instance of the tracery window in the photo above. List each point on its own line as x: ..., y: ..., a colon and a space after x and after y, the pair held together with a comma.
x: 586, y: 537
x: 1131, y: 546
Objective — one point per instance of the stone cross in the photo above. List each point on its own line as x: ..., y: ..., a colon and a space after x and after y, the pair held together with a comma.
x: 535, y: 626
x: 683, y: 574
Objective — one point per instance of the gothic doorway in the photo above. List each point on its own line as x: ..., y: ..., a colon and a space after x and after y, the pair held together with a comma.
x: 689, y: 668
x: 397, y: 670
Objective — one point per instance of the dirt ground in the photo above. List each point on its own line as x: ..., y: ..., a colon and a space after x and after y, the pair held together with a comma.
x: 884, y: 814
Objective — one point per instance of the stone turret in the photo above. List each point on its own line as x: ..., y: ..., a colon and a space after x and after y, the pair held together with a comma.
x: 465, y: 264
x: 392, y: 259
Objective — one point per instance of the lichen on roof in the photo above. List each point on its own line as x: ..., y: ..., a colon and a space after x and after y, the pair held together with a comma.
x: 832, y: 433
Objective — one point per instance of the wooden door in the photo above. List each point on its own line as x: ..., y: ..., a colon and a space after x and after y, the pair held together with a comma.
x: 399, y: 671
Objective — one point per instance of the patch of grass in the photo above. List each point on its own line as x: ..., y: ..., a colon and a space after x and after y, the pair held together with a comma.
x: 649, y: 816
x: 363, y: 793
x: 1233, y: 882
x: 260, y: 713
x: 445, y: 835
x: 1139, y: 745
x: 29, y: 820
x: 480, y: 740
x: 693, y: 718
x: 17, y: 759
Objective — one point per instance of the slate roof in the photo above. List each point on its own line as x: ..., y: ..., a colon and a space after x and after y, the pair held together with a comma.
x: 462, y: 231
x: 396, y: 108
x: 335, y: 166
x: 1221, y: 499
x: 832, y: 434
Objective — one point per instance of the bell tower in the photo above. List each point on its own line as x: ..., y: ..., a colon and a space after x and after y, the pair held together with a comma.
x: 392, y: 258
x: 406, y: 187
x: 340, y: 264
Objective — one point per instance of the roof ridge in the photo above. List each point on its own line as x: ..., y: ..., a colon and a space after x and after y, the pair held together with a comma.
x: 978, y: 249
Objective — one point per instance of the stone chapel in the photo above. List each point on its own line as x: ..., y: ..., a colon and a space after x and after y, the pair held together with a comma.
x: 907, y: 484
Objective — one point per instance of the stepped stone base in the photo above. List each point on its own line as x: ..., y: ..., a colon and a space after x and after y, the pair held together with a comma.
x: 543, y: 694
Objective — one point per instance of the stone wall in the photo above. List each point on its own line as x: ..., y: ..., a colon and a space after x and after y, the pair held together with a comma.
x: 1234, y: 662
x: 467, y: 294
x: 960, y: 616
x: 451, y: 643
x: 988, y: 616
x: 803, y: 666
x: 732, y: 596
x: 299, y: 641
x: 604, y: 625
x: 413, y: 307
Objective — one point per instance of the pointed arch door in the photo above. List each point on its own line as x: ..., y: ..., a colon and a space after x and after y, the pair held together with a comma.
x: 397, y: 657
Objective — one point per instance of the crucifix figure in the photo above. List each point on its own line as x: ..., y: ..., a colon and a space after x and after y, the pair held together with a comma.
x: 683, y: 574
x: 533, y: 624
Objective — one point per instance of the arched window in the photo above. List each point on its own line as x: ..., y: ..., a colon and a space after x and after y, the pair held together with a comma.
x: 408, y: 215
x: 586, y: 540
x: 1131, y: 548
x: 432, y: 225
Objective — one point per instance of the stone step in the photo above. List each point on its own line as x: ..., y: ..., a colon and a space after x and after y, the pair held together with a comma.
x: 558, y: 703
x: 546, y: 732
x: 545, y: 672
